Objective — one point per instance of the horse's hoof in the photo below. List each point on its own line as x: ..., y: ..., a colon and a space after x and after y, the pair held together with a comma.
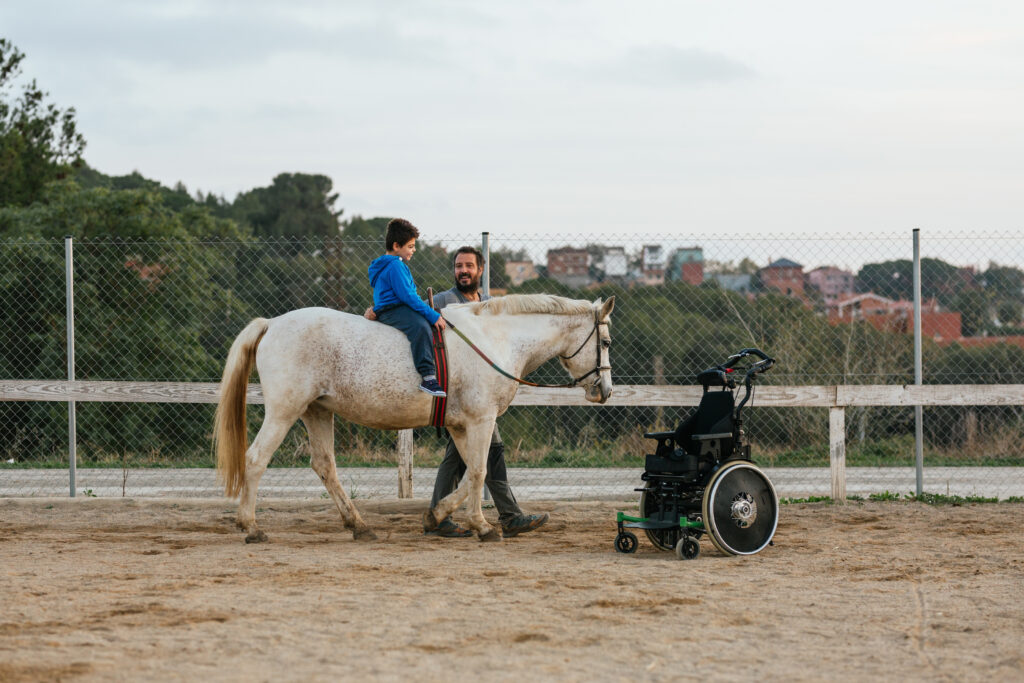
x: 491, y: 536
x: 256, y: 537
x: 429, y: 523
x: 364, y: 534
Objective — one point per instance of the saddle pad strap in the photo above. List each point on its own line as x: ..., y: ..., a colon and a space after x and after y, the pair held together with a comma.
x: 437, y: 409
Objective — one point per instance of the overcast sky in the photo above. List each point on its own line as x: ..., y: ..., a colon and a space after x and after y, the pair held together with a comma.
x: 560, y: 118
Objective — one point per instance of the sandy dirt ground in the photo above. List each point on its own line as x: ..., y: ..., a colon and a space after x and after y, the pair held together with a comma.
x: 121, y: 589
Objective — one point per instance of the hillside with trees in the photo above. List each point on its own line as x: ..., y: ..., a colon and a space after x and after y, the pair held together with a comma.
x: 165, y: 279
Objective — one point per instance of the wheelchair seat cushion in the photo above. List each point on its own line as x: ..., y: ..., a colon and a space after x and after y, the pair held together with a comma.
x: 663, y: 464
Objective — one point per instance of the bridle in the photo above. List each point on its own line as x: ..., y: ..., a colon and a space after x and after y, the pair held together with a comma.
x: 576, y: 380
x: 597, y: 365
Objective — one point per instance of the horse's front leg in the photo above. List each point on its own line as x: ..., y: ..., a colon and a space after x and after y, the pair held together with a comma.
x: 473, y: 443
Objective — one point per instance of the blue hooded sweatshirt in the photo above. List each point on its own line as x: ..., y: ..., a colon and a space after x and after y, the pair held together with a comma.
x: 392, y: 284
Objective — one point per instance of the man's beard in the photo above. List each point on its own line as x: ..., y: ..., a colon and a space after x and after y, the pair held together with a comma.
x: 470, y: 287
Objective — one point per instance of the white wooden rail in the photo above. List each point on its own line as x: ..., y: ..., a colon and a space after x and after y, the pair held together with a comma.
x: 836, y: 398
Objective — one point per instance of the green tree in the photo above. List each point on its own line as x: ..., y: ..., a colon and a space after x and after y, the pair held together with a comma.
x: 975, y: 311
x: 176, y: 199
x: 295, y: 205
x: 359, y: 229
x: 1004, y: 281
x: 153, y: 302
x: 895, y: 279
x: 39, y: 142
x: 1010, y: 312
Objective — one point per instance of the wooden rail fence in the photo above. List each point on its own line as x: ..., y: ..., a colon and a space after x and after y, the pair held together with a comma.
x: 834, y: 397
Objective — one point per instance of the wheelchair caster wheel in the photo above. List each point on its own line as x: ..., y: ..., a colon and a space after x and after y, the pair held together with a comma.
x: 687, y: 548
x: 625, y: 542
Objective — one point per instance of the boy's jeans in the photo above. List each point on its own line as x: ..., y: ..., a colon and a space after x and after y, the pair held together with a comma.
x: 417, y: 330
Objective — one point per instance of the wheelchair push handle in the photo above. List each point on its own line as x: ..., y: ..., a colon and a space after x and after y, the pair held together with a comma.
x: 743, y: 353
x: 756, y: 368
x: 721, y: 375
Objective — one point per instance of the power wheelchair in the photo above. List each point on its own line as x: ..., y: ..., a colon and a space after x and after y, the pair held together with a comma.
x: 700, y: 479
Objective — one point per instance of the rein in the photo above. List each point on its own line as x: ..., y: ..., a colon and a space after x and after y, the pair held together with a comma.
x: 575, y: 382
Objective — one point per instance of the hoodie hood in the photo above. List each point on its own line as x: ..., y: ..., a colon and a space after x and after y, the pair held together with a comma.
x: 379, y: 265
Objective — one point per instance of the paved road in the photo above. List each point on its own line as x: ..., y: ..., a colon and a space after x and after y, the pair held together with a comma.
x: 528, y: 484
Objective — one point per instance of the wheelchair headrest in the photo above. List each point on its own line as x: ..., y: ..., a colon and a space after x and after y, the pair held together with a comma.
x: 716, y: 377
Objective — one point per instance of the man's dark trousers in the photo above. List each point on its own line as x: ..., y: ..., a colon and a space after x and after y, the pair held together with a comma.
x: 451, y: 469
x: 417, y: 331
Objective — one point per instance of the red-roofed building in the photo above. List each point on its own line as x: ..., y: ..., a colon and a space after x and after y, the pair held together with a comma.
x: 897, y: 316
x: 784, y: 276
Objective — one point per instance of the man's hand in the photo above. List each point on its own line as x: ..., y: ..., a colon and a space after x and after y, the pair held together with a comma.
x: 440, y: 324
x: 369, y: 314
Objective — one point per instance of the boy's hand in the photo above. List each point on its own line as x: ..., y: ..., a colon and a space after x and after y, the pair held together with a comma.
x: 440, y: 324
x: 369, y: 314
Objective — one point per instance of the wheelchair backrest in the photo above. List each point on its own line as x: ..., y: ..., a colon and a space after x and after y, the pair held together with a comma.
x: 713, y: 415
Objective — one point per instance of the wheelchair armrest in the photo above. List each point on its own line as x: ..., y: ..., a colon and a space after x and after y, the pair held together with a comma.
x: 659, y: 435
x: 708, y: 437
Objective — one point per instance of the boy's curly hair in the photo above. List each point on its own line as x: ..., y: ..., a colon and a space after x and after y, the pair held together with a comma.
x: 401, y: 231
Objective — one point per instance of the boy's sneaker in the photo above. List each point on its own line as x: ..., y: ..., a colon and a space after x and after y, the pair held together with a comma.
x: 432, y: 387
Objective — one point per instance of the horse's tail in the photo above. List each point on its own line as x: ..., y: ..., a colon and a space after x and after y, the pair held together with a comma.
x: 230, y: 432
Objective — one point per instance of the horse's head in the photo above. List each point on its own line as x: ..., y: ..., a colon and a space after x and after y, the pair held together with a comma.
x: 587, y: 361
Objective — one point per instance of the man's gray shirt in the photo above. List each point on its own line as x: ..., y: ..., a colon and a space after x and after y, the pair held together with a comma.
x: 453, y: 296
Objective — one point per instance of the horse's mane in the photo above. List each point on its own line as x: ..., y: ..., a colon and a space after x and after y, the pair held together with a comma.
x: 518, y: 304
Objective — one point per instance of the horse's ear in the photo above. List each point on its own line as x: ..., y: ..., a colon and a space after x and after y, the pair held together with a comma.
x: 606, y: 309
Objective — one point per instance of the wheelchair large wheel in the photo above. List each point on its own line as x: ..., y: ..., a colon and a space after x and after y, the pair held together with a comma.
x: 741, y: 509
x: 663, y: 539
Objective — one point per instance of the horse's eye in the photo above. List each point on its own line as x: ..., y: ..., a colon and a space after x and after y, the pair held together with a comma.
x: 606, y: 343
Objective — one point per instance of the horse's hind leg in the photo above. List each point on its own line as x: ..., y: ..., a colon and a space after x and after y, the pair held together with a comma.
x: 320, y: 426
x: 270, y: 436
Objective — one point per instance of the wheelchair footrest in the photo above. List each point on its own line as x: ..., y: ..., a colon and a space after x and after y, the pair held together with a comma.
x: 625, y: 521
x: 651, y: 525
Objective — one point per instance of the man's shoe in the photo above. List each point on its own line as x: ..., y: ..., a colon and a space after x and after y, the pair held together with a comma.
x: 449, y: 529
x: 522, y: 524
x: 432, y: 387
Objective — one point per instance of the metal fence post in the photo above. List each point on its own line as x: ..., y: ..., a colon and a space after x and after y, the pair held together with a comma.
x: 485, y: 285
x: 485, y: 280
x: 918, y: 411
x: 69, y: 283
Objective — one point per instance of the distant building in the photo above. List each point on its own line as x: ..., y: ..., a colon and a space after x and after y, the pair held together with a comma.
x: 613, y: 266
x: 784, y: 276
x: 897, y: 316
x: 859, y: 307
x: 519, y: 272
x: 739, y: 282
x: 151, y: 273
x: 570, y: 266
x: 833, y: 283
x: 652, y: 265
x: 686, y: 265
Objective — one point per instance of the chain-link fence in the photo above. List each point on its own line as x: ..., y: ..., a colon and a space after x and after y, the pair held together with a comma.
x: 833, y: 311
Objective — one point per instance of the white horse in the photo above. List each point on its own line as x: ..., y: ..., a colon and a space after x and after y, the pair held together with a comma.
x: 315, y: 362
